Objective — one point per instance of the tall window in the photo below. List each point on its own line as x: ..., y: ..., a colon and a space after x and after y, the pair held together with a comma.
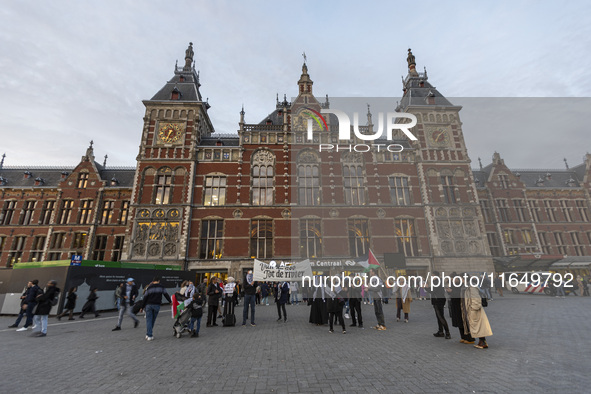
x: 79, y: 240
x: 107, y: 214
x: 7, y: 212
x: 503, y: 210
x: 535, y: 210
x: 560, y: 243
x: 46, y: 212
x: 406, y: 237
x: 399, y: 190
x: 308, y: 184
x: 117, y: 248
x: 526, y: 237
x: 550, y: 210
x: 509, y: 237
x: 66, y: 212
x: 310, y: 238
x: 354, y: 184
x: 566, y: 210
x: 504, y: 181
x: 546, y: 248
x: 82, y: 180
x: 57, y: 240
x: 486, y: 212
x: 449, y: 191
x: 262, y: 184
x: 124, y: 213
x: 214, y: 192
x: 582, y: 208
x: 2, y: 242
x: 212, y: 232
x: 163, y: 189
x: 37, y: 249
x: 579, y: 248
x: 100, y: 247
x: 520, y: 210
x: 493, y: 243
x: 16, y: 252
x: 85, y: 212
x: 27, y: 213
x: 261, y: 239
x: 358, y: 237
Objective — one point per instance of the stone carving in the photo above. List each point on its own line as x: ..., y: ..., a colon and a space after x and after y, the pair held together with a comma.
x: 474, y: 247
x: 237, y: 213
x: 446, y: 247
x: 456, y: 229
x: 351, y: 157
x: 381, y: 213
x: 263, y: 157
x: 444, y: 230
x: 461, y: 247
x: 139, y: 249
x: 441, y: 212
x: 308, y: 157
x: 154, y: 249
x: 333, y: 213
x: 468, y: 212
x: 454, y: 212
x: 470, y: 228
x: 286, y: 214
x: 169, y: 249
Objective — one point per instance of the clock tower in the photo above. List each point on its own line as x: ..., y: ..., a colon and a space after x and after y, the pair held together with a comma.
x: 175, y: 121
x: 452, y: 212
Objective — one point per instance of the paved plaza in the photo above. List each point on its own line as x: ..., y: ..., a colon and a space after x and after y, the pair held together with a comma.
x: 540, y: 344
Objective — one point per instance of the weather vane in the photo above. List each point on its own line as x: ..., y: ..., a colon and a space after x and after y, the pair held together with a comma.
x: 304, y: 56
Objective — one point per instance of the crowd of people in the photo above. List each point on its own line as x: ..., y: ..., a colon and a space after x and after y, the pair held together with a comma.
x: 466, y: 304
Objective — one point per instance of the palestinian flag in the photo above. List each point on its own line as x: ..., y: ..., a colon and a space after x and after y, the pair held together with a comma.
x: 177, y: 307
x: 370, y: 262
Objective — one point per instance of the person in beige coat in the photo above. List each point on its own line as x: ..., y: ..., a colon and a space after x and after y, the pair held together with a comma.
x: 475, y: 320
x: 403, y: 300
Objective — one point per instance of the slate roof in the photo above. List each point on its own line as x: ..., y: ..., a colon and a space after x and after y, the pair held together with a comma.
x: 52, y: 176
x: 188, y: 89
x: 226, y: 139
x: 536, y: 178
x: 416, y: 95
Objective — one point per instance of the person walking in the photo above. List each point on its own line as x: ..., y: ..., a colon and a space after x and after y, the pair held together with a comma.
x: 45, y: 301
x: 499, y: 286
x: 293, y: 288
x: 28, y: 305
x: 355, y: 305
x: 281, y: 298
x: 403, y: 300
x: 89, y: 305
x: 70, y: 304
x: 335, y: 305
x: 250, y: 289
x: 476, y: 320
x: 196, y: 308
x: 129, y: 294
x: 457, y: 316
x: 214, y: 294
x: 375, y: 293
x: 265, y: 289
x: 118, y: 297
x: 151, y: 304
x: 23, y: 307
x: 438, y: 302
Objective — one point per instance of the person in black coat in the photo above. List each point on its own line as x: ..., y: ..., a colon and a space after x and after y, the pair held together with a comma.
x: 45, y: 301
x: 438, y: 301
x: 89, y: 305
x: 214, y: 293
x: 70, y: 304
x: 335, y: 305
x: 281, y: 298
x: 457, y: 318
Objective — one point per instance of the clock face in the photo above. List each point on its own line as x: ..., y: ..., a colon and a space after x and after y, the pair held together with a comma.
x: 439, y: 137
x: 170, y: 132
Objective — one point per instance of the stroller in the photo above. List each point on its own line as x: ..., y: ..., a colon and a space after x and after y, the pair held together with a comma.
x: 181, y: 323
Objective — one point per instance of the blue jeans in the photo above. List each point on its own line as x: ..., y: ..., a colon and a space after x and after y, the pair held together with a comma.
x: 294, y: 297
x: 28, y: 312
x: 192, y: 323
x: 41, y: 323
x: 125, y: 307
x: 151, y: 314
x: 249, y: 300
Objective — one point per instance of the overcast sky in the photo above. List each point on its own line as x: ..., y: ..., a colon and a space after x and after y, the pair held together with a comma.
x: 72, y: 71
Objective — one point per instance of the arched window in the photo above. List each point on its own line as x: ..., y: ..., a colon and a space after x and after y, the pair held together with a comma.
x: 308, y: 179
x: 263, y: 177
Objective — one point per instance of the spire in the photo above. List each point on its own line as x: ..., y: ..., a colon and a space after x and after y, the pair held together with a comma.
x: 105, y: 161
x: 480, y: 163
x: 410, y: 59
x: 89, y: 156
x: 565, y: 163
x: 2, y: 162
x: 305, y: 83
x: 189, y: 57
x: 242, y: 114
x: 369, y: 121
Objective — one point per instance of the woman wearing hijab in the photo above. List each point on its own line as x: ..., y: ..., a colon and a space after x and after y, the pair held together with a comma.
x: 318, y: 312
x: 403, y: 300
x: 70, y: 304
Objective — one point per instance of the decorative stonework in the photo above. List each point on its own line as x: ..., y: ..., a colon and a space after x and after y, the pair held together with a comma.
x: 286, y: 214
x: 237, y: 213
x: 263, y: 157
x: 333, y: 213
x: 381, y: 213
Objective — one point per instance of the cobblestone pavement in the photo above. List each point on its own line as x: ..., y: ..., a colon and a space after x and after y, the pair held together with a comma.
x: 540, y: 344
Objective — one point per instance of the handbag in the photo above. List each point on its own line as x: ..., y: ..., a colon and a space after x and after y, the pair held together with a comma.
x: 484, y: 302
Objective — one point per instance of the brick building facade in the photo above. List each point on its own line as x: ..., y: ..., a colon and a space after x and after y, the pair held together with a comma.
x: 212, y: 202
